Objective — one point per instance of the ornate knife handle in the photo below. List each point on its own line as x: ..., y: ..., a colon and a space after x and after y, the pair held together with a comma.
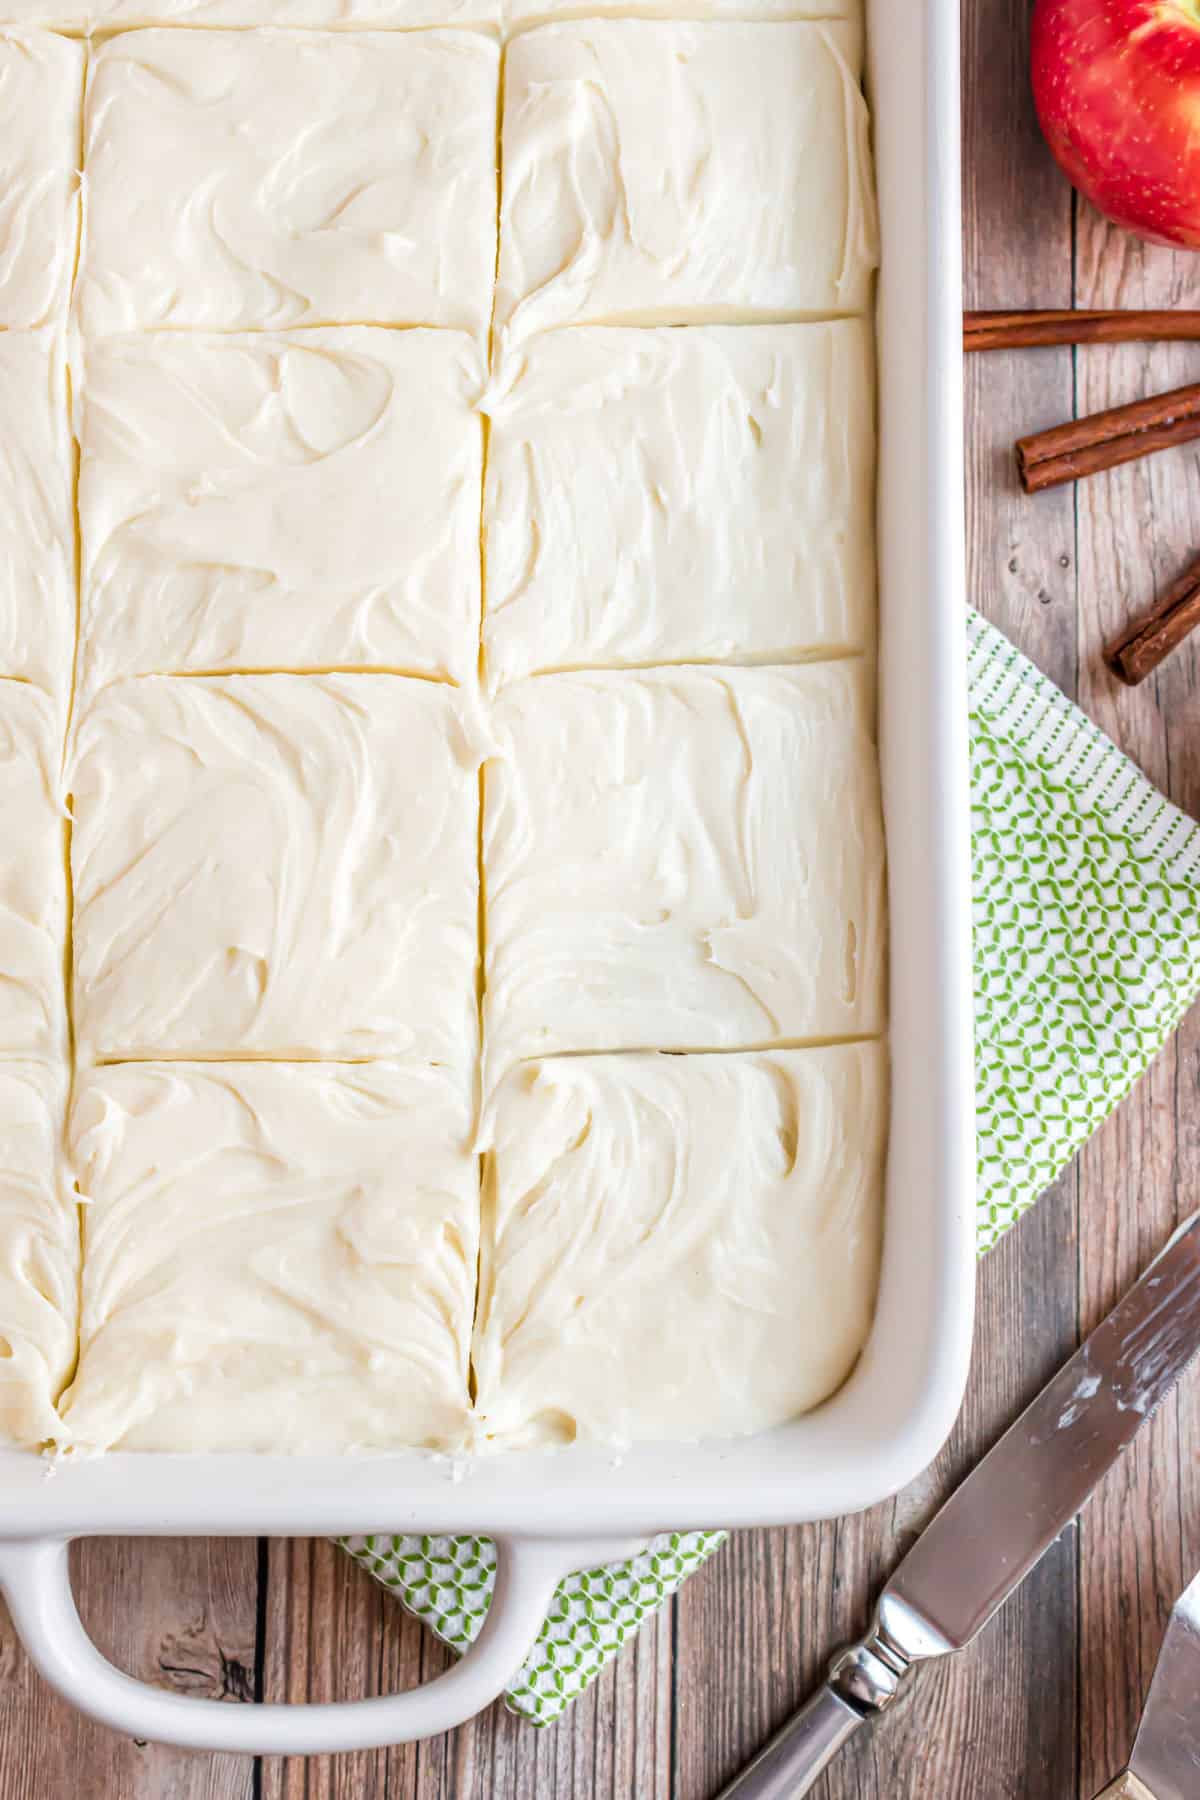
x: 863, y: 1681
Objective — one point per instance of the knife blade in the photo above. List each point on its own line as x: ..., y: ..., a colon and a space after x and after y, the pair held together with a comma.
x: 1166, y: 1752
x: 999, y: 1524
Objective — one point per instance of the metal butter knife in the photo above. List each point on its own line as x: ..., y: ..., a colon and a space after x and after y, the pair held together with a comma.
x: 1004, y: 1517
x: 1165, y: 1764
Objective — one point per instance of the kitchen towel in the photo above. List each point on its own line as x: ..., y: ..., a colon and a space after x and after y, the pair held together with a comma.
x: 1087, y: 953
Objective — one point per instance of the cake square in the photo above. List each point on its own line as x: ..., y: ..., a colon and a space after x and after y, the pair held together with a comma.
x: 643, y: 163
x: 243, y: 179
x: 39, y: 1253
x: 41, y: 96
x: 278, y: 1258
x: 33, y: 887
x: 276, y: 865
x: 677, y: 1247
x: 682, y: 859
x: 296, y: 502
x: 37, y: 514
x: 681, y: 496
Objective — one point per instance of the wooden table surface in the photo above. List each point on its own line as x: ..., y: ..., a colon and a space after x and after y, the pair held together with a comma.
x: 1044, y: 1706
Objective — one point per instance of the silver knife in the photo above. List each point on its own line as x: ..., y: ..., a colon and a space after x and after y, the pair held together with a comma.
x: 1004, y: 1517
x: 1165, y: 1764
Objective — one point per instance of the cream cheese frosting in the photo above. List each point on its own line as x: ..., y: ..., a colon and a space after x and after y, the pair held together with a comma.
x: 39, y: 1252
x: 682, y: 859
x: 33, y: 888
x: 521, y: 13
x: 277, y: 866
x: 326, y: 15
x: 274, y: 178
x: 276, y: 1258
x: 641, y: 181
x: 680, y: 496
x: 298, y: 528
x: 41, y: 93
x: 676, y: 1247
x: 37, y: 518
x: 294, y: 502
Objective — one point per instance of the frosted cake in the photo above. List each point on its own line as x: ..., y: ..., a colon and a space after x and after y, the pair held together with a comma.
x: 682, y: 860
x: 39, y: 1252
x: 255, y: 1275
x: 676, y: 1246
x: 37, y: 517
x: 442, y: 885
x: 641, y: 185
x: 329, y: 180
x: 680, y: 496
x: 277, y: 866
x: 254, y: 501
x: 33, y: 888
x: 41, y: 93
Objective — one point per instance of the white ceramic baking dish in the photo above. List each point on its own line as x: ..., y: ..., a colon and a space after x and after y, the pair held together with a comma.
x: 555, y: 1512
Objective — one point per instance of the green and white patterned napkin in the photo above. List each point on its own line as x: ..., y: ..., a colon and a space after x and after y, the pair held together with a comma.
x: 1087, y: 953
x: 1087, y: 926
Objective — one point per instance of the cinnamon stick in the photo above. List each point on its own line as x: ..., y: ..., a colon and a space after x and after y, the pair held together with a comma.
x: 1139, y: 652
x: 1028, y: 330
x: 1104, y: 440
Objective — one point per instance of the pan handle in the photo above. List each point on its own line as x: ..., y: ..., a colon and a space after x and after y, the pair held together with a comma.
x: 35, y: 1581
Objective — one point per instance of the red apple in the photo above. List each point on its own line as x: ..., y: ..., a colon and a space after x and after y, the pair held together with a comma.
x: 1117, y: 86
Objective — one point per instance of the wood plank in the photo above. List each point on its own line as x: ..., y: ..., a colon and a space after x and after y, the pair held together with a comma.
x: 752, y: 1628
x: 179, y: 1613
x: 334, y: 1633
x: 1017, y: 253
x: 615, y: 1741
x: 1002, y: 1715
x: 1137, y: 527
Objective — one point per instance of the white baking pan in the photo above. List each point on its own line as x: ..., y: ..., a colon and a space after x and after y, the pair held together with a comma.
x: 554, y: 1512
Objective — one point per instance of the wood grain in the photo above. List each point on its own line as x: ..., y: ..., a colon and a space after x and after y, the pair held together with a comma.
x: 1137, y: 527
x: 1044, y: 1705
x: 331, y: 1633
x: 177, y: 1612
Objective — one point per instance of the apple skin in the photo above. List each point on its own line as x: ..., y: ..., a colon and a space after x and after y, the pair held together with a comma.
x: 1117, y: 87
